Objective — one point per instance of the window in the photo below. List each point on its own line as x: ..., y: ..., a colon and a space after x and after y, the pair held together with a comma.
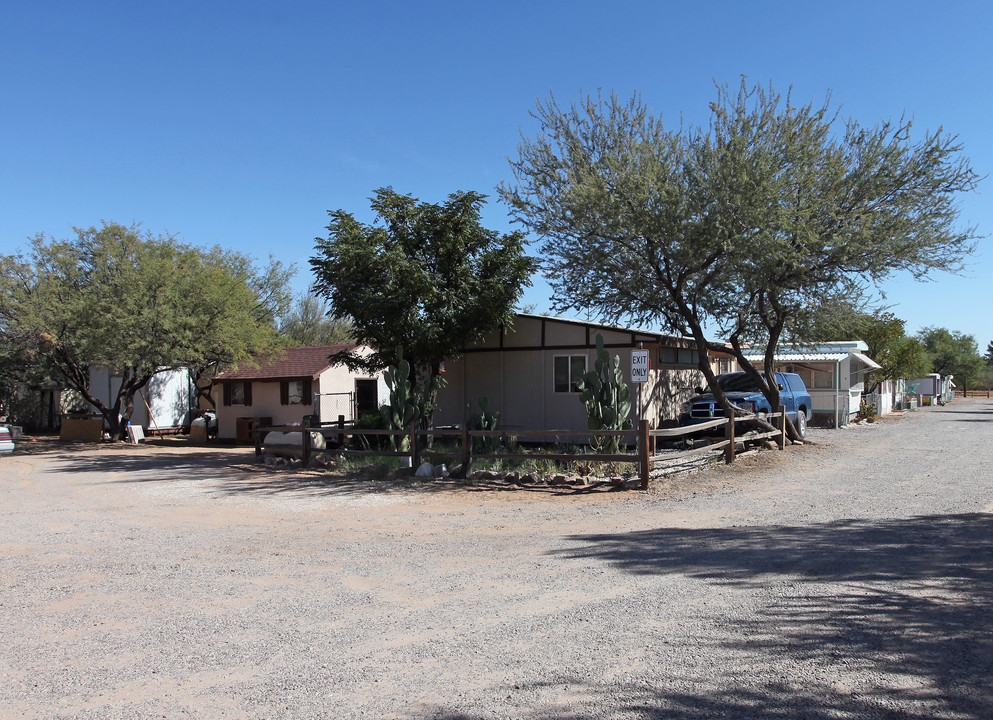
x: 294, y: 392
x: 678, y: 356
x: 824, y: 380
x: 569, y: 370
x: 238, y: 393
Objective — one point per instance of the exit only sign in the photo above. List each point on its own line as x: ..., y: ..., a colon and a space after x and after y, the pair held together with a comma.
x: 639, y: 366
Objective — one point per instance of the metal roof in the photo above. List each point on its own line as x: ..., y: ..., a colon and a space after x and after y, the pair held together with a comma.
x: 866, y: 360
x: 822, y: 357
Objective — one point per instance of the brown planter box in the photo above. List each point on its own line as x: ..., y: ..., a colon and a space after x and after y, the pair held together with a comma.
x: 82, y: 429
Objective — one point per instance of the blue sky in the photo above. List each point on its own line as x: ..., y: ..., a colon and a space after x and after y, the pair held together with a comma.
x: 242, y: 124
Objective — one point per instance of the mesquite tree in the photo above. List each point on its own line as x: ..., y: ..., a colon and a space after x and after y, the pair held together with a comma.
x: 137, y: 304
x: 742, y: 229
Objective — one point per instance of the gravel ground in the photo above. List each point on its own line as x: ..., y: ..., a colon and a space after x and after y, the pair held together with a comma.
x: 848, y: 578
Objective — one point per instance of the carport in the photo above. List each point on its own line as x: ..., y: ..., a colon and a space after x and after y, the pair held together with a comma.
x: 834, y: 373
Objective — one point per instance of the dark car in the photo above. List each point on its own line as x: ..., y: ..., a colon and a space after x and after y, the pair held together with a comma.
x: 742, y: 391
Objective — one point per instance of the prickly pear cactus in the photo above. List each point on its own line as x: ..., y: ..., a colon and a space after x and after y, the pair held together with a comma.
x: 606, y: 396
x: 401, y: 411
x: 484, y: 420
x: 409, y: 402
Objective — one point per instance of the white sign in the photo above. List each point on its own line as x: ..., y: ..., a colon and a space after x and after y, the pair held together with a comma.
x: 639, y: 366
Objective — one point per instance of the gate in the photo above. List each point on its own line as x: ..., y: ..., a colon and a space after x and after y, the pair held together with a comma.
x: 328, y: 406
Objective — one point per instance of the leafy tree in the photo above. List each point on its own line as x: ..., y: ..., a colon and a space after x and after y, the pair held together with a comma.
x: 138, y: 304
x: 310, y: 322
x: 888, y: 344
x: 952, y: 353
x: 744, y: 228
x: 423, y: 277
x: 989, y: 354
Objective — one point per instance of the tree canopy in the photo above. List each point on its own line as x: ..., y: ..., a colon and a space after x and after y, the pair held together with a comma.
x: 744, y: 228
x: 952, y: 353
x: 310, y: 322
x: 427, y: 278
x: 900, y: 355
x: 136, y: 303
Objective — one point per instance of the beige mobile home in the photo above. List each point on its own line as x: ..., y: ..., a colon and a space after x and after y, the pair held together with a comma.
x: 529, y: 373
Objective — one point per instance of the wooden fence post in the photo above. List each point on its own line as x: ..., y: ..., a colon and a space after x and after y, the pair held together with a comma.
x: 729, y: 435
x: 644, y: 453
x: 466, y: 451
x: 782, y: 429
x: 341, y: 431
x: 415, y: 459
x: 305, y: 442
x: 258, y: 442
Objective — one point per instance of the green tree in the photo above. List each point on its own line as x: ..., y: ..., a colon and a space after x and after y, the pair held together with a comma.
x: 989, y: 354
x: 952, y: 353
x: 745, y: 228
x: 888, y: 344
x: 423, y: 277
x: 310, y: 322
x: 138, y: 304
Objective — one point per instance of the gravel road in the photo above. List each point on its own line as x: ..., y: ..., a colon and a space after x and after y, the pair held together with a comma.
x: 848, y: 578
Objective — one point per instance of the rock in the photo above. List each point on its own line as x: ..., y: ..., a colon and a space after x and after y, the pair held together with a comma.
x: 625, y: 483
x: 425, y: 470
x: 512, y: 477
x: 484, y: 475
x: 530, y: 479
x: 440, y: 471
x: 557, y: 480
x: 457, y: 472
x: 322, y: 460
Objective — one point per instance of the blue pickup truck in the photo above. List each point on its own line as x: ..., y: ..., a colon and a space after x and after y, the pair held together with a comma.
x: 741, y: 390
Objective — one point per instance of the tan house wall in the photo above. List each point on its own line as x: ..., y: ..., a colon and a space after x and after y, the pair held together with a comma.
x: 519, y: 383
x: 266, y: 398
x: 265, y: 403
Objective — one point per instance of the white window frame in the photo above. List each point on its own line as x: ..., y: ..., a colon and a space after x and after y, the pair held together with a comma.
x: 294, y: 388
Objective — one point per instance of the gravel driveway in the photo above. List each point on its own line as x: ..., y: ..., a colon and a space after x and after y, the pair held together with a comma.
x: 849, y: 578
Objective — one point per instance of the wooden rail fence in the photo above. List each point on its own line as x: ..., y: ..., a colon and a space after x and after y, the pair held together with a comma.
x: 643, y: 439
x: 973, y: 393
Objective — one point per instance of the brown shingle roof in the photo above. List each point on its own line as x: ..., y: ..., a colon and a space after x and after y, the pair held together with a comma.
x: 291, y: 362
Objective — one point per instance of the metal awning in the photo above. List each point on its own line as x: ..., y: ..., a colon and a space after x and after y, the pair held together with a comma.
x: 865, y: 360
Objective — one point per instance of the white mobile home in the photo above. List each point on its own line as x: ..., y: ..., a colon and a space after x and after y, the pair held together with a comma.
x: 163, y: 404
x: 833, y: 372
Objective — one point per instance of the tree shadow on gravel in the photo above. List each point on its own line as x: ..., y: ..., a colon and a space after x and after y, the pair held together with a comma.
x: 235, y: 471
x: 909, y: 598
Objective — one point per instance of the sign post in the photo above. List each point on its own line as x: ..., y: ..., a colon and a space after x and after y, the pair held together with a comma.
x: 639, y: 373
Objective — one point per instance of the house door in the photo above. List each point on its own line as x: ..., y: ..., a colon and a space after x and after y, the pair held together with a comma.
x: 366, y: 397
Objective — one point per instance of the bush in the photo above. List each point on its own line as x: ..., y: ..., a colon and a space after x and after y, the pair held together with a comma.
x: 371, y: 421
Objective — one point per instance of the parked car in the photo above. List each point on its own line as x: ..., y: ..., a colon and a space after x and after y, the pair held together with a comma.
x: 743, y: 392
x: 6, y: 444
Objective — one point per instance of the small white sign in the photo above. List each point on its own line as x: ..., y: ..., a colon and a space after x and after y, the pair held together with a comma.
x: 639, y: 366
x: 136, y: 433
